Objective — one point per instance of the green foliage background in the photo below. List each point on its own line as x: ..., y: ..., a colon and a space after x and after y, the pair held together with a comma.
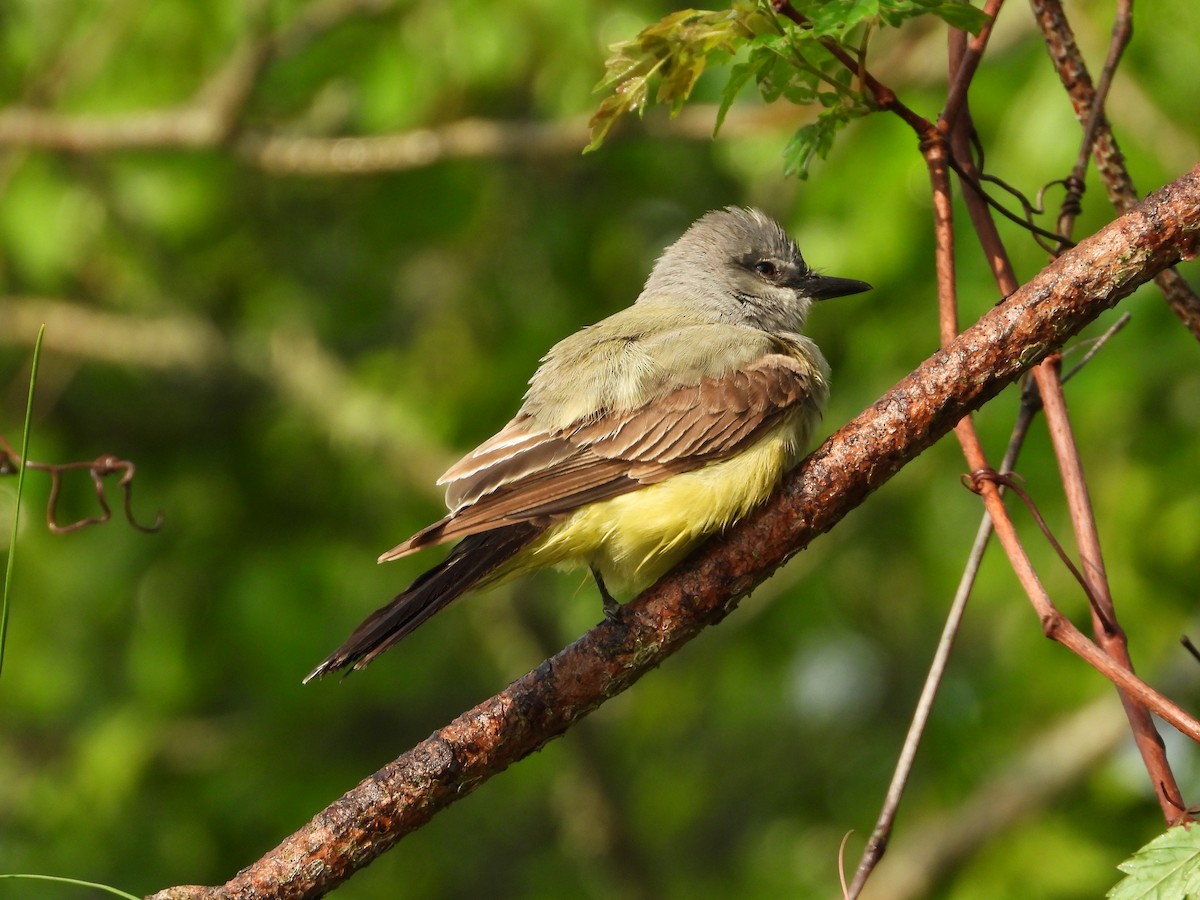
x: 329, y: 343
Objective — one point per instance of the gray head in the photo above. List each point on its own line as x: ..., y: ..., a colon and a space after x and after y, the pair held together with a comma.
x: 741, y: 266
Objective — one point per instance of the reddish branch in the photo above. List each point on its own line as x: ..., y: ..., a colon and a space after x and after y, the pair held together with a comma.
x: 838, y: 476
x: 935, y: 153
x: 1109, y: 634
x: 882, y: 95
x: 967, y: 61
x: 951, y: 148
x: 1049, y: 384
x: 1110, y: 162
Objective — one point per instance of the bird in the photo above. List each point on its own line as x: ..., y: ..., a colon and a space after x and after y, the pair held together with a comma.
x: 639, y: 436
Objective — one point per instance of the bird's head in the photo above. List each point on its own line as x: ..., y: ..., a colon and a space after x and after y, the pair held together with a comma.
x: 741, y: 266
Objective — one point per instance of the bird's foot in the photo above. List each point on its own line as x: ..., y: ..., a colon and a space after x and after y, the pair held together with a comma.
x: 612, y: 609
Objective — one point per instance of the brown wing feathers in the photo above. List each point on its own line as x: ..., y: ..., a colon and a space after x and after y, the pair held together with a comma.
x: 525, y: 475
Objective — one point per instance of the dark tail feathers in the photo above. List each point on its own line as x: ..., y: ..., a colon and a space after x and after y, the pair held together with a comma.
x: 473, y: 559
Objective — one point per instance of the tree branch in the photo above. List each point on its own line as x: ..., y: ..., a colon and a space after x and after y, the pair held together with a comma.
x: 210, y: 117
x: 838, y: 476
x: 195, y: 127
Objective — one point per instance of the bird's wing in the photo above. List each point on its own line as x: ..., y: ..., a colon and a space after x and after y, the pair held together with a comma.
x: 526, y: 474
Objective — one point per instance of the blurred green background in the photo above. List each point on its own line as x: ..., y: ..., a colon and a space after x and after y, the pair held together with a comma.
x: 291, y: 353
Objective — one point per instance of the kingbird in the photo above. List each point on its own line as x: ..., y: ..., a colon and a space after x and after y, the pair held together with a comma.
x: 640, y: 435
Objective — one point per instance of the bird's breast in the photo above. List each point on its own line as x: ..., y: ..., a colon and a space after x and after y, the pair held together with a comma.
x: 635, y: 538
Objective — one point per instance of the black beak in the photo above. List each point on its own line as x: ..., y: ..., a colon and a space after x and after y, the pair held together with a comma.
x: 823, y: 287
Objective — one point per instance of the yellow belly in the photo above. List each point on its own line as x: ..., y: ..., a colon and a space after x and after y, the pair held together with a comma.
x: 635, y: 538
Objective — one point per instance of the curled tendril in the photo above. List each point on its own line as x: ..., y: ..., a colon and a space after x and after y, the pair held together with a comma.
x: 1029, y: 209
x: 99, y: 469
x: 1072, y: 204
x: 1185, y: 812
x: 974, y: 482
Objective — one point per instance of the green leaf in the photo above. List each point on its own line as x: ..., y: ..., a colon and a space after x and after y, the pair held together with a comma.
x: 739, y: 74
x: 961, y: 15
x: 675, y: 50
x: 1168, y: 867
x: 90, y: 885
x: 833, y: 18
x: 780, y: 77
x: 784, y: 59
x: 12, y: 544
x: 814, y: 139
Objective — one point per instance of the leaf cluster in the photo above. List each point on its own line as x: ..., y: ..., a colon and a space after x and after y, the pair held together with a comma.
x: 676, y: 50
x: 786, y: 56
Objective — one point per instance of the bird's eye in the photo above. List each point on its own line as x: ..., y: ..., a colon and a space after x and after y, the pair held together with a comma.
x: 765, y: 268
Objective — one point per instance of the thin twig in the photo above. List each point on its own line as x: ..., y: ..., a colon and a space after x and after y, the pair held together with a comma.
x: 1121, y: 33
x: 927, y: 132
x: 943, y: 217
x: 1046, y: 761
x: 881, y: 834
x: 1190, y: 647
x: 1006, y: 281
x: 967, y: 62
x: 1097, y: 345
x: 21, y: 464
